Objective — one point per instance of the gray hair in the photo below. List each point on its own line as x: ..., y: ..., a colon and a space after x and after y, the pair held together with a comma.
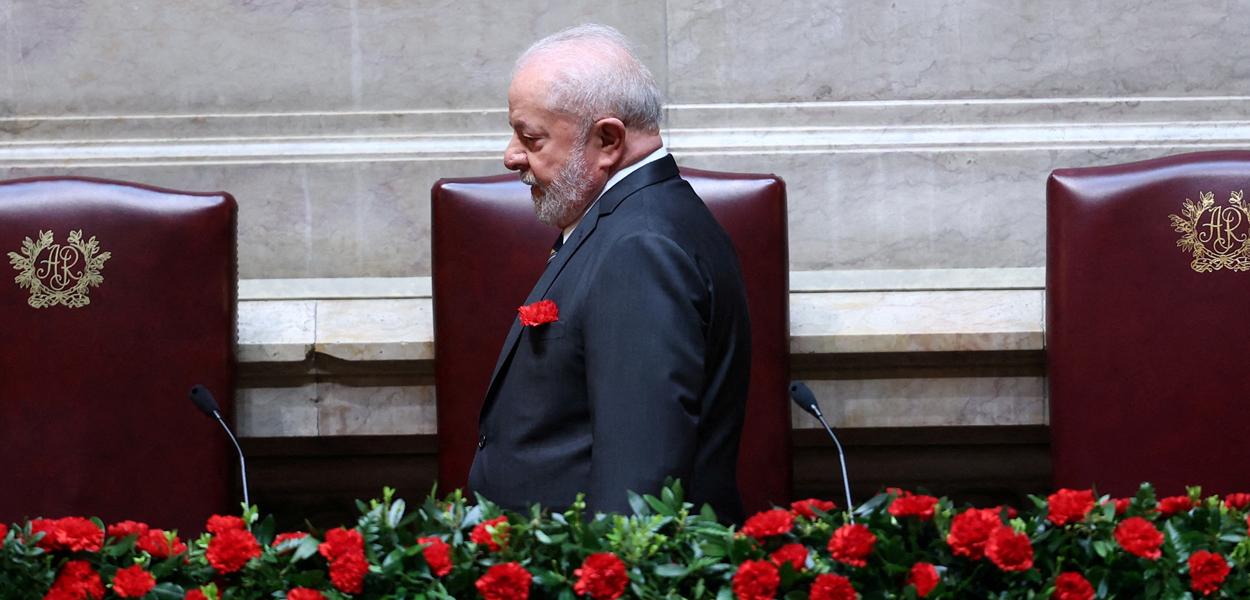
x: 599, y: 76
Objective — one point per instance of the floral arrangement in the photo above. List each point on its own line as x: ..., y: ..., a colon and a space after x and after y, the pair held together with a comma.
x: 1070, y: 545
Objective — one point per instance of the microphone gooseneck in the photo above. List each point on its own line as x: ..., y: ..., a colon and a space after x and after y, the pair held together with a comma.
x: 203, y: 400
x: 803, y: 396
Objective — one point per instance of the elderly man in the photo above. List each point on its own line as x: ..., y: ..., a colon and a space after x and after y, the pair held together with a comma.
x: 644, y: 373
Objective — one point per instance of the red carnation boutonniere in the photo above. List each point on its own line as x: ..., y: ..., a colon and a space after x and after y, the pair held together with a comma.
x: 539, y: 313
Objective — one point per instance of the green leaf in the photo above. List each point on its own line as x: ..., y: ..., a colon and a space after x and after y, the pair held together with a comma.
x: 659, y: 507
x: 637, y: 504
x: 167, y: 591
x: 307, y: 547
x: 396, y: 514
x: 671, y: 570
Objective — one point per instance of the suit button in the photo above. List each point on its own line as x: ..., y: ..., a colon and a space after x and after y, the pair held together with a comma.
x: 481, y: 442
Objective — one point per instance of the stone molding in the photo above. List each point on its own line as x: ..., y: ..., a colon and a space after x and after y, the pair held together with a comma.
x: 694, y: 129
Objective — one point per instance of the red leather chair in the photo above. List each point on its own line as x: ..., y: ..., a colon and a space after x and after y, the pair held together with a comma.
x: 1146, y: 342
x: 488, y: 250
x: 104, y: 334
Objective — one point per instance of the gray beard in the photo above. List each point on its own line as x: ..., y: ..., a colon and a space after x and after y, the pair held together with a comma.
x: 564, y: 199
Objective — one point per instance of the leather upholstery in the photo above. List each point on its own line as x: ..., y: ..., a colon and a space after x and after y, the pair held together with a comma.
x: 1146, y: 357
x: 94, y: 413
x: 488, y: 250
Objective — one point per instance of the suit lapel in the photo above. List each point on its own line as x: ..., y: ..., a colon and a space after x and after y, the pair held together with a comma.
x: 649, y: 174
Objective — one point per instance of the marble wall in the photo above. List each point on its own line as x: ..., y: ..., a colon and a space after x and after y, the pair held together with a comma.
x: 912, y: 135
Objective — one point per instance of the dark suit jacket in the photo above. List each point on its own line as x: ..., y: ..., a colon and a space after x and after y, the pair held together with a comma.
x: 645, y: 374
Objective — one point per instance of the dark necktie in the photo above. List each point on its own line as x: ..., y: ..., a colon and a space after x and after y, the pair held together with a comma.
x: 556, y: 247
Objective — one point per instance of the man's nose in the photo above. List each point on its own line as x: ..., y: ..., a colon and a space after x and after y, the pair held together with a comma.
x: 514, y: 156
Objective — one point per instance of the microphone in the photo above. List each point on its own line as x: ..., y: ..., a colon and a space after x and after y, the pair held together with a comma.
x: 203, y: 400
x: 803, y: 396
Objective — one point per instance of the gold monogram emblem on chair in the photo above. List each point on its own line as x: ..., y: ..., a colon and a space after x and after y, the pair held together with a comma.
x: 59, y: 273
x: 1217, y: 236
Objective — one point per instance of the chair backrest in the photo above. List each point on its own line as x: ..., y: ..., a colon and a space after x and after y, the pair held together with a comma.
x: 1148, y: 272
x: 119, y: 298
x: 488, y: 250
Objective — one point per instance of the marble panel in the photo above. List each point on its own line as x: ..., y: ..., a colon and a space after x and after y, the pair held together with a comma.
x: 349, y: 410
x: 277, y: 412
x: 817, y: 50
x: 915, y: 209
x: 927, y: 402
x: 376, y: 329
x: 74, y: 57
x: 898, y: 209
x: 929, y: 321
x: 299, y: 220
x: 276, y: 330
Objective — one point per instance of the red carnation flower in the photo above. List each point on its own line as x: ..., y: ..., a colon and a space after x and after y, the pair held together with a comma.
x: 341, y: 542
x: 924, y: 577
x: 288, y: 536
x: 1009, y: 550
x: 125, y: 528
x: 602, y: 577
x: 756, y: 580
x: 161, y: 544
x: 1069, y: 506
x: 1175, y: 504
x: 1139, y: 537
x: 1072, y: 586
x: 74, y: 534
x: 851, y: 544
x: 493, y: 534
x: 437, y: 554
x: 832, y: 587
x: 793, y: 554
x: 4, y: 530
x: 804, y: 507
x: 222, y: 523
x: 76, y: 581
x: 1207, y: 571
x: 1237, y: 501
x: 344, y: 549
x: 195, y: 594
x: 768, y: 523
x: 348, y: 571
x: 539, y: 313
x: 133, y: 582
x: 302, y: 593
x: 1121, y: 504
x: 971, y: 529
x: 229, y: 550
x: 506, y: 581
x: 914, y: 506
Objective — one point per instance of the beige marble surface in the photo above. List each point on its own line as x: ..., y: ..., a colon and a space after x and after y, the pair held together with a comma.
x: 277, y: 412
x: 327, y: 408
x: 842, y: 49
x: 386, y: 410
x: 928, y: 321
x: 276, y: 331
x: 223, y: 56
x: 381, y: 319
x: 921, y: 402
x: 376, y: 329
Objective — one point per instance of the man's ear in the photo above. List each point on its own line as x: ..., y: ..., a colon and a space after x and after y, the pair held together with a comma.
x: 609, y: 136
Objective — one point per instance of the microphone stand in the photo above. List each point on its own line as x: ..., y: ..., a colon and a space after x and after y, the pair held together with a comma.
x: 243, y: 463
x: 807, y: 401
